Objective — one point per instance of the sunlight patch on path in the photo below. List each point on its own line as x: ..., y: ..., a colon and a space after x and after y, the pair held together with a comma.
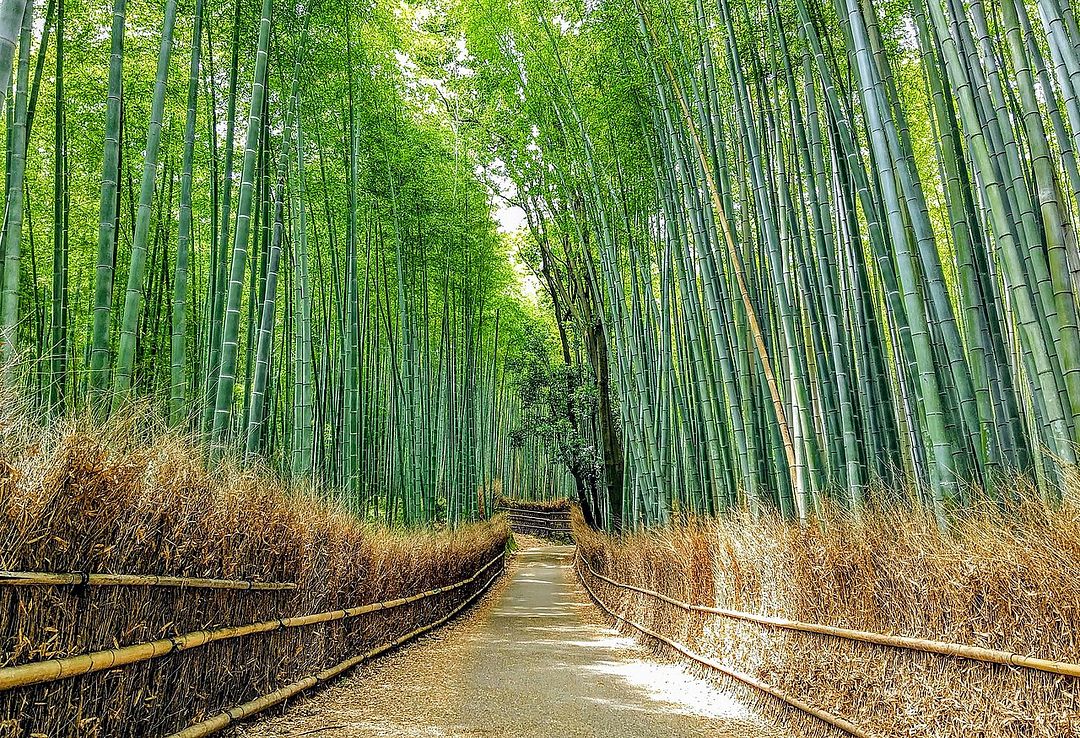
x: 675, y: 685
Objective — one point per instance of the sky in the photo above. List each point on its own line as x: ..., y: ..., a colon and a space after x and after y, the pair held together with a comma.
x: 510, y: 218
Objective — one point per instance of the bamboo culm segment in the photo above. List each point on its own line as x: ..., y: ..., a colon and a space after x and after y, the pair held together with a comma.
x: 836, y: 722
x: 241, y: 712
x: 39, y: 672
x: 943, y: 648
x: 39, y: 578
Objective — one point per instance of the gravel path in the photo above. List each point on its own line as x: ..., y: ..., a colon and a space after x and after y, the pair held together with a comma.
x: 532, y: 660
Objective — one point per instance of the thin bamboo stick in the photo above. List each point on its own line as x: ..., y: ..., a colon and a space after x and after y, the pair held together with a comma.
x: 538, y: 522
x: 943, y: 648
x: 241, y: 712
x: 38, y: 672
x: 837, y: 722
x: 37, y: 578
x: 538, y: 515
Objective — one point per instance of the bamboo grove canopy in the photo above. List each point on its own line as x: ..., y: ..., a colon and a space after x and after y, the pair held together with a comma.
x: 246, y: 212
x: 832, y: 242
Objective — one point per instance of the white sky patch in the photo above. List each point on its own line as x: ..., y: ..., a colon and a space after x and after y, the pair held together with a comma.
x: 510, y: 217
x: 512, y: 223
x: 908, y: 35
x: 567, y: 26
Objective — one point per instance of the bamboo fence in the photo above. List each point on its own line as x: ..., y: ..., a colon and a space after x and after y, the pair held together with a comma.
x: 943, y: 648
x: 827, y: 717
x: 224, y: 719
x: 39, y: 672
x: 548, y: 523
x: 81, y: 579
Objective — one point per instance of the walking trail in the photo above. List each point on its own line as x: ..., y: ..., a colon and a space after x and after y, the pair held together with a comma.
x: 532, y: 660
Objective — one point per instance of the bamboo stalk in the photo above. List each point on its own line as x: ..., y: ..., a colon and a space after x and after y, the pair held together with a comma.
x: 38, y: 672
x: 37, y: 578
x: 943, y: 648
x: 837, y: 722
x: 241, y: 712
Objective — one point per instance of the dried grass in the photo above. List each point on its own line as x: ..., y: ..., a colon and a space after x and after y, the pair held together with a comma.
x: 129, y: 498
x: 1005, y: 580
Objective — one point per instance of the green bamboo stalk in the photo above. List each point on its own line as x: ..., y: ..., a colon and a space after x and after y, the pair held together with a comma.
x: 107, y: 208
x: 230, y: 333
x: 9, y: 304
x: 179, y: 409
x: 125, y: 357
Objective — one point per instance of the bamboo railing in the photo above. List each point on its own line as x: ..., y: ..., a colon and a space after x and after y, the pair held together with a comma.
x: 548, y: 524
x: 827, y: 717
x: 39, y: 672
x: 943, y: 648
x: 224, y: 719
x: 79, y: 579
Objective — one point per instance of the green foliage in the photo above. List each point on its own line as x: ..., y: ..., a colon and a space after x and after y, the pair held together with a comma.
x: 554, y: 397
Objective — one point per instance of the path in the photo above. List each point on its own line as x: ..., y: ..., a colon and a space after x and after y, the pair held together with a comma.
x: 533, y: 660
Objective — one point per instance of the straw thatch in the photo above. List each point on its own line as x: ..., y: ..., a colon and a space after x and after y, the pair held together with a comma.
x: 145, y: 505
x: 999, y: 580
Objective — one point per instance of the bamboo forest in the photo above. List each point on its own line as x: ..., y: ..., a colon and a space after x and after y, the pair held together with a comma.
x: 712, y: 367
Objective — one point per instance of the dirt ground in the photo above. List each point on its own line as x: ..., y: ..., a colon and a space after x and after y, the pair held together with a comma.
x: 532, y: 660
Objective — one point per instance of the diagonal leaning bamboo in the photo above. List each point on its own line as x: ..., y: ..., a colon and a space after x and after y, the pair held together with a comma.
x: 943, y: 648
x: 39, y: 578
x: 242, y: 712
x: 837, y: 722
x: 47, y: 671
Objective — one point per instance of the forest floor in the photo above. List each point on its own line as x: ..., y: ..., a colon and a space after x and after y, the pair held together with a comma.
x: 533, y: 659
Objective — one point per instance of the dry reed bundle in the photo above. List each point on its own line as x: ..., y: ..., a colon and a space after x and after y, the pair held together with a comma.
x: 1004, y: 581
x: 144, y: 504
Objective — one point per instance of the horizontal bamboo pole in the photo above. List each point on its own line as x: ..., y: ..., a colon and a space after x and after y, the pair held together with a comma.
x: 541, y: 532
x: 545, y: 514
x: 536, y: 524
x: 224, y: 719
x: 38, y: 578
x: 535, y: 519
x: 530, y: 511
x: 38, y: 672
x: 827, y: 717
x: 943, y: 648
x: 552, y: 522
